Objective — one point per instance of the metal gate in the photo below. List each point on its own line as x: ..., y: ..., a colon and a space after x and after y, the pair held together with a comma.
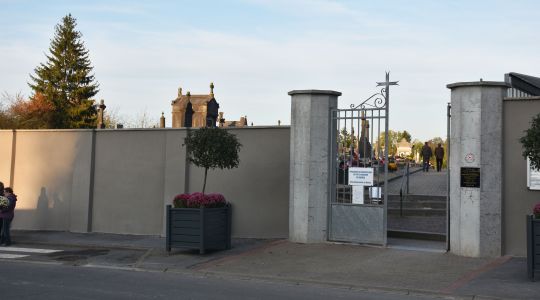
x: 359, y: 164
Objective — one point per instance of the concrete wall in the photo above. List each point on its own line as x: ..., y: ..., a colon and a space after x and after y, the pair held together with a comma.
x: 518, y: 199
x: 134, y: 174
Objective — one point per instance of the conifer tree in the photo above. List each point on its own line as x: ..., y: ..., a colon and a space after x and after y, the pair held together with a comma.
x: 65, y: 80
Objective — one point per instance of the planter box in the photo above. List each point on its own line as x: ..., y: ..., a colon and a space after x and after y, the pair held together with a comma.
x: 533, y: 247
x: 199, y: 228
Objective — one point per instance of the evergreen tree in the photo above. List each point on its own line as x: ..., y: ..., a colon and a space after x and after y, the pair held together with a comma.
x: 404, y: 135
x: 65, y: 80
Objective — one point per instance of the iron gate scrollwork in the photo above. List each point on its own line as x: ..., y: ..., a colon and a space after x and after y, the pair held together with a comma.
x: 359, y: 137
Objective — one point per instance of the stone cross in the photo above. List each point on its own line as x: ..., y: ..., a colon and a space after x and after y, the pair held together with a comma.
x: 101, y: 114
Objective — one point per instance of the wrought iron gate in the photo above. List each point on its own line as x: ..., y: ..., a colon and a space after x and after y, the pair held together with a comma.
x: 359, y: 164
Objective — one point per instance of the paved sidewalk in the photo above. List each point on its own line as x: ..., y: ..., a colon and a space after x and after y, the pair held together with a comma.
x: 339, y: 265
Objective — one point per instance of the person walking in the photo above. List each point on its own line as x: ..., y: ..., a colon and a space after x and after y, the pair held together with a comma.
x: 6, y: 216
x: 2, y: 195
x: 439, y: 155
x: 426, y: 156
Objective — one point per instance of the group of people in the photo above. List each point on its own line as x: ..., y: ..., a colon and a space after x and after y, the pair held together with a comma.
x: 6, y: 215
x: 427, y: 153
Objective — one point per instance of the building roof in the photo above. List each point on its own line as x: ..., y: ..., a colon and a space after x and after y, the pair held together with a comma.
x: 194, y: 99
x: 525, y: 83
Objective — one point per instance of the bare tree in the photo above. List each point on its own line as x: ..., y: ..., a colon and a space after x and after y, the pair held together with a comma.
x: 142, y: 120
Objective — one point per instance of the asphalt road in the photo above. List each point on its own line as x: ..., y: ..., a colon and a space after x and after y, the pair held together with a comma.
x: 26, y: 280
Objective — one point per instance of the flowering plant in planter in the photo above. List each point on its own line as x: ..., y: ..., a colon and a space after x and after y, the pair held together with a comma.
x: 536, y: 211
x: 198, y: 220
x: 198, y: 200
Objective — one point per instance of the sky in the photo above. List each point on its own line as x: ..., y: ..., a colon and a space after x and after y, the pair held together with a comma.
x: 256, y: 51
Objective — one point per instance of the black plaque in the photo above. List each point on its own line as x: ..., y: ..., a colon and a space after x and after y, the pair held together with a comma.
x: 470, y: 177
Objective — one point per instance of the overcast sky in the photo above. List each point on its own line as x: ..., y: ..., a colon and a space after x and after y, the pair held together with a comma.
x: 255, y: 51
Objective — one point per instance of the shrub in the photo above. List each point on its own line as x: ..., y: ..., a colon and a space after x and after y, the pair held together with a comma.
x: 531, y: 142
x: 212, y: 148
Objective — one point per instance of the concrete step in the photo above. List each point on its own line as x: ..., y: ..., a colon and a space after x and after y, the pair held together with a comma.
x: 420, y: 203
x: 417, y: 211
x: 427, y: 205
x: 416, y: 235
x: 414, y: 197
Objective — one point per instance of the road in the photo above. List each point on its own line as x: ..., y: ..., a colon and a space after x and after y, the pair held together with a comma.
x: 24, y: 280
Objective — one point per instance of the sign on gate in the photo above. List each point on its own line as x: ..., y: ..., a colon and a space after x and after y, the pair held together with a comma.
x: 361, y: 176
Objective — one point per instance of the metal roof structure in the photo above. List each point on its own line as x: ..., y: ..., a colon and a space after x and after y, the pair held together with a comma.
x: 524, y: 83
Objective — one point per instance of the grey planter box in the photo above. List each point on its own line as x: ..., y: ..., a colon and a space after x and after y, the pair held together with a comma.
x: 199, y: 228
x: 533, y: 247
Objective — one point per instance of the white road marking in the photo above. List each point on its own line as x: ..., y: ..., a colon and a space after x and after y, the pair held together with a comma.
x: 11, y: 256
x: 27, y: 250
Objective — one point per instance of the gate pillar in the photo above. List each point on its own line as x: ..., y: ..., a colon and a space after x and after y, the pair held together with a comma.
x: 310, y: 174
x: 476, y: 168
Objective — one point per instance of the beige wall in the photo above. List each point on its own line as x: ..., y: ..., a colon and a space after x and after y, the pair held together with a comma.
x: 259, y: 188
x: 6, y: 138
x: 128, y: 181
x: 135, y: 174
x: 52, y: 179
x: 518, y: 201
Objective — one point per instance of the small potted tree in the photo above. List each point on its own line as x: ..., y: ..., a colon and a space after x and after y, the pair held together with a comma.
x: 531, y: 150
x: 203, y: 221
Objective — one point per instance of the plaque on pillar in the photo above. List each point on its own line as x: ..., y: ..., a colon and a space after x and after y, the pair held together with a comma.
x: 470, y: 177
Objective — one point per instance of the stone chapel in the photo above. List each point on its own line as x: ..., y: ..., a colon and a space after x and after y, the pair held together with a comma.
x: 200, y: 111
x: 194, y: 110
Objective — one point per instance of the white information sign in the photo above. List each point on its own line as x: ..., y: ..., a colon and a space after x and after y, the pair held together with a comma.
x: 358, y: 194
x: 375, y: 192
x: 533, y: 177
x: 361, y: 176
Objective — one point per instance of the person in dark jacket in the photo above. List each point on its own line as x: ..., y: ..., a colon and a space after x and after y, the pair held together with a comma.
x: 1, y: 194
x: 426, y: 156
x: 6, y: 216
x: 439, y: 155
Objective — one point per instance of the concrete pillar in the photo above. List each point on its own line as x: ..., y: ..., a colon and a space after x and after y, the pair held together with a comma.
x: 476, y: 146
x: 310, y: 163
